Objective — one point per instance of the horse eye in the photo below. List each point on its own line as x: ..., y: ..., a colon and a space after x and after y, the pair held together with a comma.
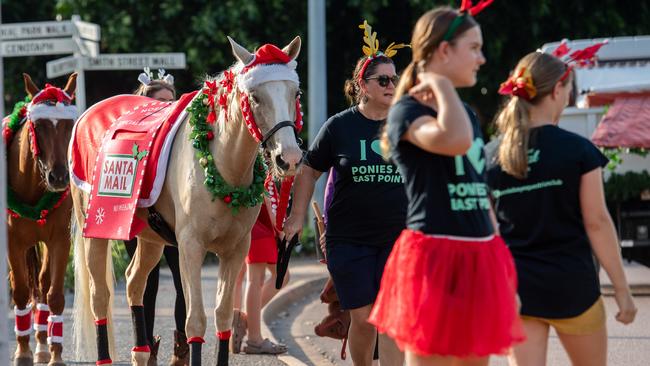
x: 255, y: 100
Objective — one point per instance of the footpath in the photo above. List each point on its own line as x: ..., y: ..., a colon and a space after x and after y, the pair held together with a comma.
x: 291, y: 316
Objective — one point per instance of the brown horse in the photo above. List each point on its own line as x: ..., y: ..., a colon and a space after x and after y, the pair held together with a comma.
x: 253, y: 102
x: 39, y: 208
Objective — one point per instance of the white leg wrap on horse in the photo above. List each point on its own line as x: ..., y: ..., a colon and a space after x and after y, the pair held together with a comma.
x: 40, y: 320
x: 55, y: 329
x: 23, y: 325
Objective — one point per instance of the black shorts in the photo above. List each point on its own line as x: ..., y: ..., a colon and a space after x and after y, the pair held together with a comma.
x: 356, y: 271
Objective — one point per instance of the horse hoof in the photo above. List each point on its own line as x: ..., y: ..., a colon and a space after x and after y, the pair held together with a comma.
x: 23, y: 361
x: 42, y: 357
x: 139, y: 358
x: 56, y: 363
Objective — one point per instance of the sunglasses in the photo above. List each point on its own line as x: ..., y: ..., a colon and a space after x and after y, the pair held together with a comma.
x: 383, y: 80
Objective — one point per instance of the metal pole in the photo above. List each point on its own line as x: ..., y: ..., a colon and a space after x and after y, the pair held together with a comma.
x: 4, y: 294
x: 317, y: 80
x: 80, y: 94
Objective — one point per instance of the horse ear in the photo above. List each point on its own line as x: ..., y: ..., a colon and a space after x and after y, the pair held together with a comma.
x: 293, y: 48
x: 71, y: 85
x: 30, y: 87
x: 240, y: 52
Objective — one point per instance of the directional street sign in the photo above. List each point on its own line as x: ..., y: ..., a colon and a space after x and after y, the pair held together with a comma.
x: 120, y: 61
x: 135, y: 61
x: 35, y: 47
x: 62, y: 66
x: 35, y: 30
x: 89, y: 31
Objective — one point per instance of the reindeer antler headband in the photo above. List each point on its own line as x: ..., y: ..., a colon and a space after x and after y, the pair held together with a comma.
x: 147, y: 76
x: 466, y: 8
x: 371, y: 47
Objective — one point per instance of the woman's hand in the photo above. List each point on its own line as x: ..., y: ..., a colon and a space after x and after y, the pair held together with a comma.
x: 425, y: 91
x: 292, y: 226
x: 626, y: 308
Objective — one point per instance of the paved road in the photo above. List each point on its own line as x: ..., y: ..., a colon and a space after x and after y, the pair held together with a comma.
x: 164, y: 326
x: 299, y: 309
x: 628, y: 345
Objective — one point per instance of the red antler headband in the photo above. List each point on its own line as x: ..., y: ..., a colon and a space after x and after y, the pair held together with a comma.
x: 579, y: 58
x: 466, y: 7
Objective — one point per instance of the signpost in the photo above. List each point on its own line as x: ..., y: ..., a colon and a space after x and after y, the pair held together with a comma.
x: 50, y: 38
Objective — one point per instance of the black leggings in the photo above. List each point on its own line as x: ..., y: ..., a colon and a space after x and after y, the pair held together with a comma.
x: 150, y: 292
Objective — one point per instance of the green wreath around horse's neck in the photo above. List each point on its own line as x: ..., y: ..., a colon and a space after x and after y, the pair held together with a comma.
x: 201, y: 135
x: 50, y: 200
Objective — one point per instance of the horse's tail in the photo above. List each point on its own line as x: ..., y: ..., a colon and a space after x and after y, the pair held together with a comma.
x: 84, y: 330
x: 33, y: 259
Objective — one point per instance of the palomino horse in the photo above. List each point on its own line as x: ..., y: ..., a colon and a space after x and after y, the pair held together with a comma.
x: 37, y: 135
x: 249, y: 104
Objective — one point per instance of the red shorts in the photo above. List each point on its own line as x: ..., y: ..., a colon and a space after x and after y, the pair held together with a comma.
x: 263, y: 248
x: 449, y: 296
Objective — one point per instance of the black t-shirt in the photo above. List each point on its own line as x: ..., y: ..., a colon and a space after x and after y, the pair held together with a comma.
x: 447, y: 194
x: 541, y: 221
x: 369, y: 204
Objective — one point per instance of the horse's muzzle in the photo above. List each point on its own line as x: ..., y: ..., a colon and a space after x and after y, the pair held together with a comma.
x: 57, y: 180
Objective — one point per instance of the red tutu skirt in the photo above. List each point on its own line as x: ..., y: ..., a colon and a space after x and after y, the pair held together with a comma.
x: 448, y: 297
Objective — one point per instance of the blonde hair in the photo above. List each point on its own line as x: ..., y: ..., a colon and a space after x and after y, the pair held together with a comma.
x: 513, y: 121
x: 428, y: 34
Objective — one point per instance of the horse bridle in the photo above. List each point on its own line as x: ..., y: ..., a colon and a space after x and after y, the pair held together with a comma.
x: 277, y: 127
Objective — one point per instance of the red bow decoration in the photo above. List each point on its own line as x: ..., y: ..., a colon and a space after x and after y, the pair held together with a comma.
x: 228, y: 80
x: 520, y: 84
x: 210, y: 90
x: 467, y: 6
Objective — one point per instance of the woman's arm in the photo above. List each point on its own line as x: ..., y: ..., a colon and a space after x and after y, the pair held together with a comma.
x: 604, y: 242
x: 303, y: 190
x: 451, y: 132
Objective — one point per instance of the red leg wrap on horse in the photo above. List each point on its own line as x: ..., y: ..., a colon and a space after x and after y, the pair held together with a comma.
x: 55, y: 329
x: 23, y: 320
x: 141, y: 349
x: 224, y: 335
x: 195, y: 340
x: 40, y: 319
x: 104, y: 362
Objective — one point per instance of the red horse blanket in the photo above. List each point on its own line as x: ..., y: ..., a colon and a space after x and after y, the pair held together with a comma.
x: 118, y: 154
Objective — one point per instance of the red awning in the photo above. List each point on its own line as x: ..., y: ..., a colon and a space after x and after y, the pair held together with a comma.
x: 626, y: 124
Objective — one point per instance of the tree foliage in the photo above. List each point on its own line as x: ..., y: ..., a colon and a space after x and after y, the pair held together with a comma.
x: 511, y: 28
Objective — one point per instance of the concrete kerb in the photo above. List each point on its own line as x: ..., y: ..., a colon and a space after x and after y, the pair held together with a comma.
x: 289, y: 295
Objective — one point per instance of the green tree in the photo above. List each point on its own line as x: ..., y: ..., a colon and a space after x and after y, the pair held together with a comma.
x: 511, y: 28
